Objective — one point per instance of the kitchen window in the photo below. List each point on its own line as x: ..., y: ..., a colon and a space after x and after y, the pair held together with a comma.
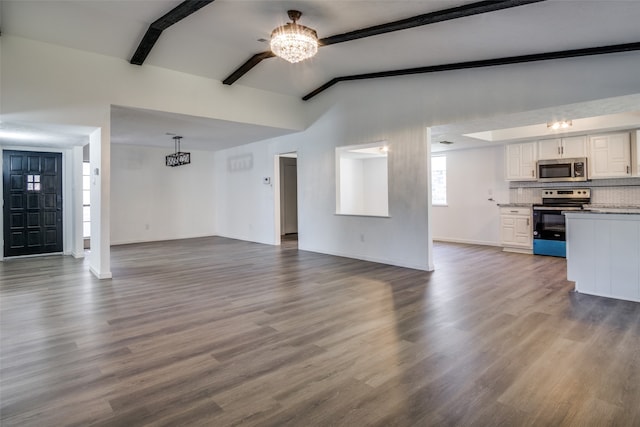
x: 439, y: 180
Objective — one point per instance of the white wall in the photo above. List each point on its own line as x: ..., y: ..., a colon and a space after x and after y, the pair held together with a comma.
x: 473, y: 177
x: 351, y: 186
x: 49, y: 84
x: 363, y: 186
x: 245, y: 206
x: 46, y: 83
x: 151, y: 201
x: 375, y: 186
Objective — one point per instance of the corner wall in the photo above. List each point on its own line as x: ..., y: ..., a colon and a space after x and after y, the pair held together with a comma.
x: 150, y: 201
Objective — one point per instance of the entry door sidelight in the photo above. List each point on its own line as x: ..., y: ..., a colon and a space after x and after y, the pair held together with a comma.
x: 32, y: 202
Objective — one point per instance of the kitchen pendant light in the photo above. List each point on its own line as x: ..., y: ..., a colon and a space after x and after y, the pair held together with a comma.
x: 562, y: 124
x: 178, y: 158
x: 294, y: 42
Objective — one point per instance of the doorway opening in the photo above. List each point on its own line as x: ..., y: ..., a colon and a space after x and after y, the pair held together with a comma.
x: 287, y: 220
x: 86, y: 197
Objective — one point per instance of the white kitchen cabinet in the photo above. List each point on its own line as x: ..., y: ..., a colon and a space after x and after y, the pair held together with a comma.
x: 516, y: 229
x: 609, y: 156
x: 520, y: 161
x: 562, y: 148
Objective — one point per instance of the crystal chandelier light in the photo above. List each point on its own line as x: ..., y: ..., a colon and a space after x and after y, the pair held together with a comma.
x: 294, y: 42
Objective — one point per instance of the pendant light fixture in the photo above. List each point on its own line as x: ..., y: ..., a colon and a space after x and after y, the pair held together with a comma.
x: 178, y: 158
x: 294, y: 42
x: 562, y: 124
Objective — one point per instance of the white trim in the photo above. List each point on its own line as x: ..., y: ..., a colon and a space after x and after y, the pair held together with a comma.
x: 466, y: 242
x: 9, y: 258
x: 396, y: 263
x: 107, y: 275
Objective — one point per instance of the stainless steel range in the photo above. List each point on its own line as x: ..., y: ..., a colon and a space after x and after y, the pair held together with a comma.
x: 549, y: 230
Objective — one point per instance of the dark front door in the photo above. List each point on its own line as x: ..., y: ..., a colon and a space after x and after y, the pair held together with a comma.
x: 32, y: 202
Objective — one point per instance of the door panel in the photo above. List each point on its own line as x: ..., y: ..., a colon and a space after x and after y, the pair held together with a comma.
x: 33, y: 202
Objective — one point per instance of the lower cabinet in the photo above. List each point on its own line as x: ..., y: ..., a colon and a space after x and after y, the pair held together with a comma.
x: 603, y: 254
x: 516, y: 229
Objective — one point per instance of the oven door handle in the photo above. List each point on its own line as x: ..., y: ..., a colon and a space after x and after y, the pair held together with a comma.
x: 557, y: 208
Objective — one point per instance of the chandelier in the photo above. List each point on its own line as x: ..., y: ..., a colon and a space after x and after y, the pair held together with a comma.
x: 178, y: 158
x: 294, y: 42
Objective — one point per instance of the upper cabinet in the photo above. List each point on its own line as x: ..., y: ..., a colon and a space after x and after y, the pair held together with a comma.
x: 562, y: 148
x: 520, y: 161
x: 609, y: 156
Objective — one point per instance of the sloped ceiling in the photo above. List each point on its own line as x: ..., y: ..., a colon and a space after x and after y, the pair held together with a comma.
x: 215, y: 40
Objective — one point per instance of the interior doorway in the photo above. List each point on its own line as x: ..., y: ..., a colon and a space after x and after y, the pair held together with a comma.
x: 288, y: 183
x: 32, y: 189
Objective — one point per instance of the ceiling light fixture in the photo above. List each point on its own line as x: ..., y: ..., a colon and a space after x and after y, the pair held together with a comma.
x: 294, y: 42
x: 563, y: 124
x: 178, y: 158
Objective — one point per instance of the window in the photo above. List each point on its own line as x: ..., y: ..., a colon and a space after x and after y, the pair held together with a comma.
x: 439, y: 180
x: 33, y: 182
x: 361, y: 181
x: 86, y: 200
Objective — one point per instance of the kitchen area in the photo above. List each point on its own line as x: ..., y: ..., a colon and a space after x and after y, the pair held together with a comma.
x: 578, y: 197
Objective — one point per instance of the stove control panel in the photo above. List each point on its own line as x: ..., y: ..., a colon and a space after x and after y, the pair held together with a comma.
x: 573, y: 193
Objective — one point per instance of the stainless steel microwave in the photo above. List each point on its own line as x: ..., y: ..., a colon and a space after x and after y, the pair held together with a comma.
x: 562, y: 170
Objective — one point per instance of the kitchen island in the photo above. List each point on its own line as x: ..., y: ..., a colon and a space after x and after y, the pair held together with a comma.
x: 603, y: 253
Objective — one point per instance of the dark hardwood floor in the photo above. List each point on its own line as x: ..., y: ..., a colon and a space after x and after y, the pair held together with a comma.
x: 219, y: 332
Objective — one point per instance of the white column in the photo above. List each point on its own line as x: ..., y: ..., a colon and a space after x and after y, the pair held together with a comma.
x: 100, y: 159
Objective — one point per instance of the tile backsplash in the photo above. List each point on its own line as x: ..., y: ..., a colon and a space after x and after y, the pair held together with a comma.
x: 615, y: 192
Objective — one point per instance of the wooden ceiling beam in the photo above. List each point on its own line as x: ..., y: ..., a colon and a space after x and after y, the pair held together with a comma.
x: 244, y: 68
x: 403, y: 24
x: 600, y: 50
x: 175, y: 15
x: 426, y: 19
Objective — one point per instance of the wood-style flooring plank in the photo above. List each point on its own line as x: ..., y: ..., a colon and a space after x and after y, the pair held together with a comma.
x: 214, y: 331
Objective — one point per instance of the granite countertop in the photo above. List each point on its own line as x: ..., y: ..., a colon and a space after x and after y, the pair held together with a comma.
x: 617, y: 209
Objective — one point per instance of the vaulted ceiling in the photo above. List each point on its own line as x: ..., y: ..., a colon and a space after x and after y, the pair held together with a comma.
x: 222, y: 35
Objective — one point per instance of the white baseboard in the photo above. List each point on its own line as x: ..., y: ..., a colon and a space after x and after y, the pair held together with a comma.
x: 134, y: 241
x: 371, y: 259
x: 466, y: 241
x: 102, y: 276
